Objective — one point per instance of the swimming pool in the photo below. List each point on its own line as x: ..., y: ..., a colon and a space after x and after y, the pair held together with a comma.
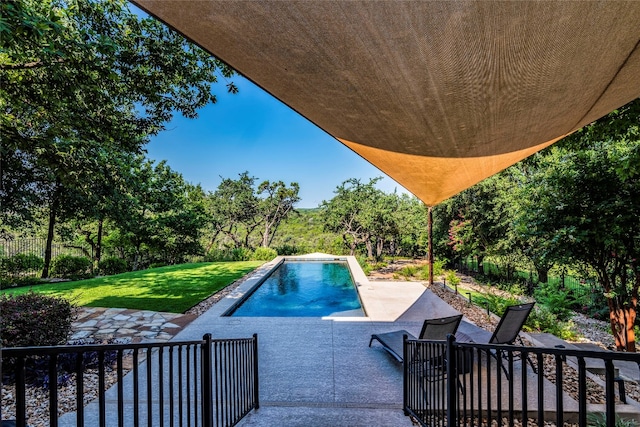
x: 304, y: 289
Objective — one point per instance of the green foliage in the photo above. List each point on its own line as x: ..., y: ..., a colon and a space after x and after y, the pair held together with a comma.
x: 19, y: 281
x: 22, y: 263
x: 557, y: 301
x: 365, y: 265
x: 112, y: 265
x: 32, y: 319
x: 226, y: 255
x: 600, y: 420
x: 542, y: 319
x: 438, y: 269
x: 408, y: 271
x: 451, y: 278
x: 264, y: 254
x: 498, y: 303
x: 286, y: 250
x: 71, y: 267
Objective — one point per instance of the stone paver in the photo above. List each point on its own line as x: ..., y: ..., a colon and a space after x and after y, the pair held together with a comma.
x: 125, y: 325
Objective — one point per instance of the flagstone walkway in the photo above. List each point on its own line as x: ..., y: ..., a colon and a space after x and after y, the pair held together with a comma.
x: 126, y: 325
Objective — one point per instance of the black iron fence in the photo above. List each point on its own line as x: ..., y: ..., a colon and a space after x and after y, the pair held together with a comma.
x: 581, y: 289
x: 500, y: 384
x: 209, y: 382
x: 24, y: 257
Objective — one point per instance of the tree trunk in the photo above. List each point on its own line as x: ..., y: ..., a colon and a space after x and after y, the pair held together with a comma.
x: 379, y: 248
x: 369, y: 246
x: 47, y: 250
x: 265, y: 236
x: 53, y: 209
x: 480, y: 264
x: 543, y: 274
x: 622, y: 322
x: 98, y: 253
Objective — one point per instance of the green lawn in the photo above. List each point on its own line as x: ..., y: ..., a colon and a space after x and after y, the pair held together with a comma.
x: 173, y: 289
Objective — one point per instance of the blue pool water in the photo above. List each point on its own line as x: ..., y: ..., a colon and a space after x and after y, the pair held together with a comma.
x: 304, y: 289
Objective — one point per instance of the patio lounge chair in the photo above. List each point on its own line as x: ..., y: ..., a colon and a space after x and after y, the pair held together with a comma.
x: 432, y: 329
x: 507, y: 330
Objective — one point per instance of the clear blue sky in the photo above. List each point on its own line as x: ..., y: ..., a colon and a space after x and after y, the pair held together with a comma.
x: 252, y: 131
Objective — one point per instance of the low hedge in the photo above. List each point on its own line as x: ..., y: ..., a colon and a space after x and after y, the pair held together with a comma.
x: 33, y: 319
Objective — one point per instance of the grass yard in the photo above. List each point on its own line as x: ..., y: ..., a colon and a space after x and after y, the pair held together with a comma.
x: 173, y: 289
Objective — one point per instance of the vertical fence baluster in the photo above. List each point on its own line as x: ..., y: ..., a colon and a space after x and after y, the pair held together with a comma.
x: 136, y: 389
x: 119, y: 370
x: 582, y: 392
x: 149, y: 389
x: 195, y: 385
x: 233, y: 373
x: 188, y: 367
x: 610, y: 397
x: 479, y: 354
x: 53, y: 390
x: 171, y: 397
x: 559, y: 400
x: 256, y: 384
x: 161, y: 386
x: 524, y: 395
x: 472, y: 365
x: 540, y: 390
x: 101, y: 387
x: 499, y: 365
x: 511, y: 379
x: 489, y: 414
x: 180, y: 394
x: 227, y: 365
x: 205, y: 372
x: 216, y: 372
x: 79, y: 389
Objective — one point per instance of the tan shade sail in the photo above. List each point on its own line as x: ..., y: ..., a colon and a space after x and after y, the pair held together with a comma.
x: 437, y: 94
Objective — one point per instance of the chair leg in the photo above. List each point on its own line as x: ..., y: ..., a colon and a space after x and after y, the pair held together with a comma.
x: 533, y: 366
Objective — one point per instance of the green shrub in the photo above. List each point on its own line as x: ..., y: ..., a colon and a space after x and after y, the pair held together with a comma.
x: 218, y: 255
x: 18, y: 282
x: 408, y: 271
x: 364, y: 264
x: 542, y: 319
x: 69, y: 266
x: 33, y: 319
x: 157, y: 264
x: 225, y: 255
x: 497, y: 303
x: 558, y: 301
x: 287, y: 250
x: 438, y: 269
x: 241, y: 254
x: 264, y: 254
x: 595, y: 419
x: 112, y: 265
x: 451, y: 278
x: 22, y: 263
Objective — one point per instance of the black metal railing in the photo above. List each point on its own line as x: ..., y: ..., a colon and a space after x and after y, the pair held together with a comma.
x: 501, y: 384
x: 209, y: 382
